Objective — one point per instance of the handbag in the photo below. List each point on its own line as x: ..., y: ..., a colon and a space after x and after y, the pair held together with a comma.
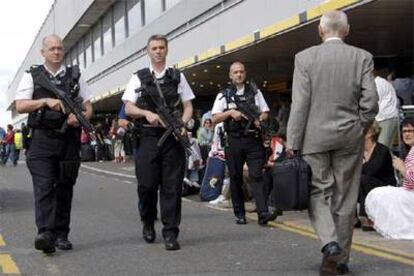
x: 292, y: 178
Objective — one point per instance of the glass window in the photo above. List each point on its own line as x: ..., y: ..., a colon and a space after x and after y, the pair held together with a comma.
x: 170, y: 3
x: 153, y: 9
x: 119, y: 22
x: 97, y: 41
x: 74, y: 56
x: 134, y: 16
x: 107, y: 32
x: 88, y: 50
x: 81, y: 54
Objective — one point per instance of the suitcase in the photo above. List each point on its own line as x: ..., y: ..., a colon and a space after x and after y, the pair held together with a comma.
x: 291, y: 184
x: 213, y: 179
x: 87, y: 153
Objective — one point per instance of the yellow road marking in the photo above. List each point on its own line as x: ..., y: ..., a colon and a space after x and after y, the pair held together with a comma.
x: 7, y: 265
x: 376, y: 251
x: 394, y: 252
x: 2, y: 243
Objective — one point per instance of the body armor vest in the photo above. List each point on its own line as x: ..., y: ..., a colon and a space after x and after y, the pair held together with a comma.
x: 232, y: 127
x: 45, y: 118
x: 148, y: 90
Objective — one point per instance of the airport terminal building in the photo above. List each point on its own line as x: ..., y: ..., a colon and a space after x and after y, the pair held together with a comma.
x: 107, y: 39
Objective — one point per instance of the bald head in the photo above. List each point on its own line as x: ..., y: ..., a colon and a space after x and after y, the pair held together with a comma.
x: 237, y: 73
x: 334, y: 24
x: 235, y: 65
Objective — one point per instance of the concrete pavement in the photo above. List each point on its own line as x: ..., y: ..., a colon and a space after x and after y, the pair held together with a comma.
x: 106, y: 233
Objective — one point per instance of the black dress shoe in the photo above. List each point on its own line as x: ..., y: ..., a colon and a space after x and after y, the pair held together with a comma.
x: 241, y: 220
x: 171, y: 244
x: 148, y: 232
x: 63, y: 243
x: 45, y: 242
x: 332, y: 252
x: 342, y: 269
x: 264, y: 218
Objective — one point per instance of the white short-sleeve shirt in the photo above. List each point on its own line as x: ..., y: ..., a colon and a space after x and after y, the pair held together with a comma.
x: 220, y: 103
x: 387, y: 100
x: 25, y: 88
x: 184, y: 89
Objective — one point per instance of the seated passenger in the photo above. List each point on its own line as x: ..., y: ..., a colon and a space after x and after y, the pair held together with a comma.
x: 392, y: 208
x: 212, y: 183
x: 377, y: 171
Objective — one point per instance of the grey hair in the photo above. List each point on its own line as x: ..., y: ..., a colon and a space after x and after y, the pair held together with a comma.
x: 334, y: 22
x: 46, y: 38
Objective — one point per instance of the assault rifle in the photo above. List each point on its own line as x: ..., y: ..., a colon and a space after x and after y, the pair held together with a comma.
x: 172, y: 120
x: 71, y: 105
x: 252, y: 113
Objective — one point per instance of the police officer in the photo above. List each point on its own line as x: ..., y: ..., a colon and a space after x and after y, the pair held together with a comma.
x: 243, y: 147
x: 162, y: 166
x: 53, y: 157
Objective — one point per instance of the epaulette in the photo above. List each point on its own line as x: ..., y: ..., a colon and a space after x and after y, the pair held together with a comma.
x: 253, y: 87
x: 174, y: 74
x: 145, y: 76
x: 74, y: 72
x: 33, y: 68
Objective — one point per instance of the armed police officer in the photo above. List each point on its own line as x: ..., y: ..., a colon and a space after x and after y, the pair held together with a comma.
x: 244, y: 142
x: 159, y: 163
x: 53, y: 157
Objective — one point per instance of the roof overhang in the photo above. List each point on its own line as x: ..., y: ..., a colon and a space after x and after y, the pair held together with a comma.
x: 383, y: 27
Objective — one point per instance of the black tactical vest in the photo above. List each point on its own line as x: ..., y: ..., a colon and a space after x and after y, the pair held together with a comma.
x: 232, y: 127
x: 45, y: 118
x: 148, y: 90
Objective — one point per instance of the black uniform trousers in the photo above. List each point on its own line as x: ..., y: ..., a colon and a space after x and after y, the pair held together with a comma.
x: 247, y: 149
x: 53, y: 160
x: 161, y: 167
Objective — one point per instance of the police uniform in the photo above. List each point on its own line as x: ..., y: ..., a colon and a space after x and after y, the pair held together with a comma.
x: 53, y: 156
x: 155, y: 166
x: 243, y: 147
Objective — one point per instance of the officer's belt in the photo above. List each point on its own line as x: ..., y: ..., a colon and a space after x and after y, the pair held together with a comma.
x: 51, y: 133
x: 147, y: 130
x: 240, y: 133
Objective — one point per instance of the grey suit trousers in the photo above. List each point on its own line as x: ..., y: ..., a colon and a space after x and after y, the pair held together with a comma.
x: 334, y: 194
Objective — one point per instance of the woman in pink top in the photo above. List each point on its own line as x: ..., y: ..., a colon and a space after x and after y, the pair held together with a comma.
x: 392, y: 208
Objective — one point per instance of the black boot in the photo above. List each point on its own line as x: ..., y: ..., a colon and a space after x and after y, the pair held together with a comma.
x: 148, y: 232
x: 45, y: 242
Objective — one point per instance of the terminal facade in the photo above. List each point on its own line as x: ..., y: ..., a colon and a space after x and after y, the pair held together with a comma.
x: 107, y: 39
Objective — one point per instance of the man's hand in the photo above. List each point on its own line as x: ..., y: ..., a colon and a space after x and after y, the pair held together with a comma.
x: 290, y: 152
x: 236, y: 115
x: 154, y: 119
x: 54, y: 104
x: 257, y: 124
x: 72, y: 120
x: 184, y: 132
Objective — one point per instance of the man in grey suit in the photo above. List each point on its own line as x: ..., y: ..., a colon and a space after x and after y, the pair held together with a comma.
x: 334, y: 100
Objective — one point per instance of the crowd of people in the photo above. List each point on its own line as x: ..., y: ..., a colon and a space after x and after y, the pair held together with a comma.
x: 12, y: 142
x: 335, y: 100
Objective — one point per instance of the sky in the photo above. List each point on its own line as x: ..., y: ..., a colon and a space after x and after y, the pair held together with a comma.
x: 20, y: 21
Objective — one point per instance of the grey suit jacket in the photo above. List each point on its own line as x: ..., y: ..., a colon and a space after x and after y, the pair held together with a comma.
x: 334, y: 98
